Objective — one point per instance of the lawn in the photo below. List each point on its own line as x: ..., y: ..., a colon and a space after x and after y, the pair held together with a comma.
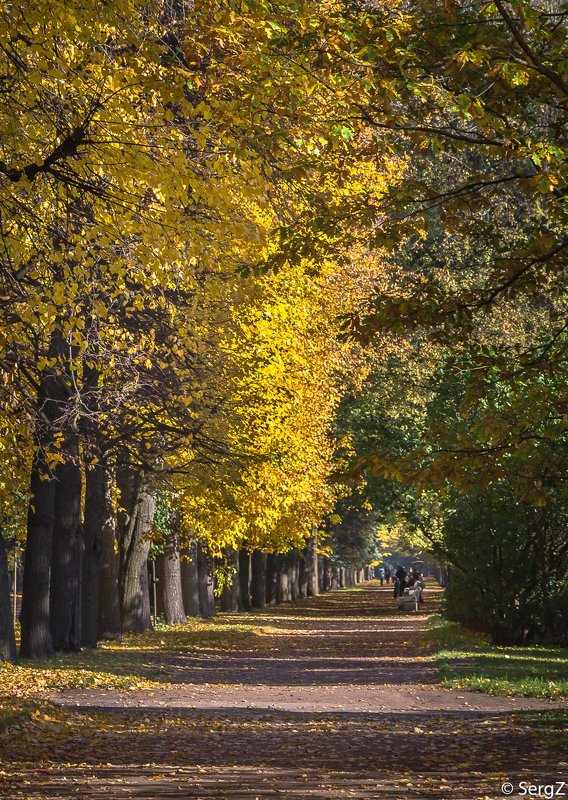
x: 467, y: 660
x: 138, y: 661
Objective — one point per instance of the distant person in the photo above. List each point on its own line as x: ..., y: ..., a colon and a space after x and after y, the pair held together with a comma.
x: 420, y: 582
x: 381, y: 575
x: 387, y: 575
x: 401, y: 576
x: 416, y: 577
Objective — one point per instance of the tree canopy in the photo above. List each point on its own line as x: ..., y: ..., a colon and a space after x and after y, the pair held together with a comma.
x: 295, y: 267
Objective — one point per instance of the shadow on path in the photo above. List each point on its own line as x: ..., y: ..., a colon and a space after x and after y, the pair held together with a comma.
x: 338, y: 700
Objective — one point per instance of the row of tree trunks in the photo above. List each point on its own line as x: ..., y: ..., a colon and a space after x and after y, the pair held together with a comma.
x: 85, y: 572
x: 83, y: 591
x: 76, y: 589
x: 332, y: 577
x: 184, y: 581
x: 260, y: 579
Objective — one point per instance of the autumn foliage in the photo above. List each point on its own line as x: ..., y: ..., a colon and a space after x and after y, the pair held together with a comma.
x: 257, y: 259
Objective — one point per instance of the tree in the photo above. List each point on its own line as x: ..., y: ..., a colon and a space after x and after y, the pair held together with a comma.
x: 7, y: 638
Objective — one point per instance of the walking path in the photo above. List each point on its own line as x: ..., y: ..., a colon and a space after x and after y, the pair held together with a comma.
x: 340, y: 700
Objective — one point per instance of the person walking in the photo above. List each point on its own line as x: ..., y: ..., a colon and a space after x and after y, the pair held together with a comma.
x: 401, y: 576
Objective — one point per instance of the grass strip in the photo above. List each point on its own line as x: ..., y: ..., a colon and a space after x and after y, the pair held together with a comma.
x: 467, y: 660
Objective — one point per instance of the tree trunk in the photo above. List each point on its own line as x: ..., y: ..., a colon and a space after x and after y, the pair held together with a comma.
x: 93, y: 525
x: 294, y: 576
x: 135, y: 527
x: 285, y: 591
x: 324, y: 583
x: 334, y: 577
x: 321, y: 574
x: 36, y: 638
x: 7, y: 638
x: 272, y: 578
x: 312, y: 563
x: 303, y: 576
x: 109, y: 604
x: 328, y: 574
x: 205, y: 579
x: 36, y: 641
x: 67, y: 550
x: 258, y: 579
x: 159, y: 570
x: 231, y: 594
x: 244, y: 579
x: 190, y: 583
x: 171, y: 586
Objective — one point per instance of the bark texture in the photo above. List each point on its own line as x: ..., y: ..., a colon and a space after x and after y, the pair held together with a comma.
x: 189, y: 581
x: 108, y: 623
x: 258, y: 579
x: 36, y: 641
x: 285, y: 593
x: 312, y: 563
x: 172, y: 596
x: 320, y: 569
x: 231, y: 595
x: 205, y: 578
x: 244, y: 579
x: 272, y: 578
x: 93, y: 524
x: 53, y: 395
x: 335, y: 577
x: 294, y: 576
x: 67, y: 550
x: 7, y: 638
x: 134, y: 545
x: 303, y: 576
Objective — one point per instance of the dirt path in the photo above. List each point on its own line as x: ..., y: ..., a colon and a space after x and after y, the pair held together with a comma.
x: 340, y: 700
